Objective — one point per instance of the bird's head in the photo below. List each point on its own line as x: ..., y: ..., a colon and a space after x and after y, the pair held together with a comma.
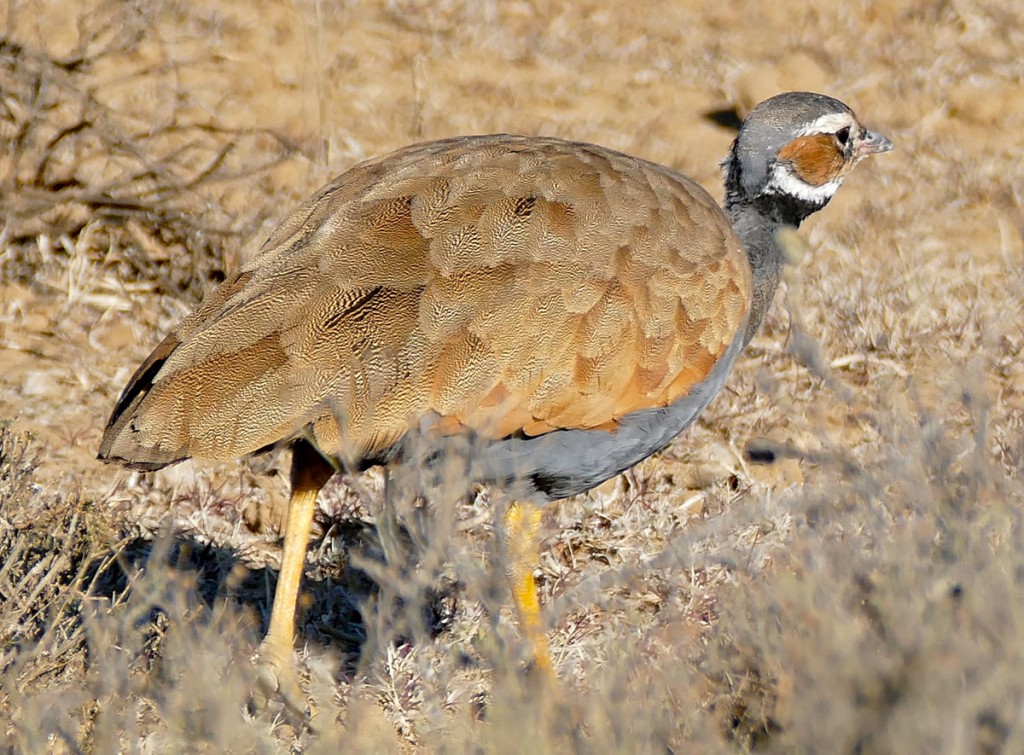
x: 793, y: 152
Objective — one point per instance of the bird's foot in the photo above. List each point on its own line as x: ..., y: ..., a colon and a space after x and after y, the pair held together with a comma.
x: 277, y: 687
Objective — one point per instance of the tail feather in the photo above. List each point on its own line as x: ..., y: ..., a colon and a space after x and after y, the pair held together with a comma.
x: 120, y: 442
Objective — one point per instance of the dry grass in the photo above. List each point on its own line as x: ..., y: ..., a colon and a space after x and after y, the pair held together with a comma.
x: 859, y: 588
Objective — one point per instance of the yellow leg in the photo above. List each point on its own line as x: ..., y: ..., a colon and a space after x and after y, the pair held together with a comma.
x: 522, y: 527
x: 309, y: 473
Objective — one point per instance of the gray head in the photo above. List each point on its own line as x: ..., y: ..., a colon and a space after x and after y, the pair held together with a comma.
x: 793, y: 152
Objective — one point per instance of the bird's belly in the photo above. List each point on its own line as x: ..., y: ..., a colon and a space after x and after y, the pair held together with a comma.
x: 562, y: 463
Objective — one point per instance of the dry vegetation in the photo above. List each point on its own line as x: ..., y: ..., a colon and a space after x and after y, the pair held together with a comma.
x: 860, y: 588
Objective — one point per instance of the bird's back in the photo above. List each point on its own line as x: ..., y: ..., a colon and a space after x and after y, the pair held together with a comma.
x: 513, y: 286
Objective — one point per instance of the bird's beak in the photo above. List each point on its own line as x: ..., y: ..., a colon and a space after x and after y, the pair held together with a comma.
x: 872, y: 143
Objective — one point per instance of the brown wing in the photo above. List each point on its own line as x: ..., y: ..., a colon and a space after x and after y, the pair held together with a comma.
x: 501, y: 283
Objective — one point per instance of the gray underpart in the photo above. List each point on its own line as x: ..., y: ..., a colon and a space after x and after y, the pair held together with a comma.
x: 563, y: 463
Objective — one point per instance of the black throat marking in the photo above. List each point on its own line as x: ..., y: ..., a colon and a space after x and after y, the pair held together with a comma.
x: 774, y: 204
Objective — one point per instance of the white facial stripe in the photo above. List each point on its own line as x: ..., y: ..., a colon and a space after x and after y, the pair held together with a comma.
x: 783, y: 181
x: 829, y: 124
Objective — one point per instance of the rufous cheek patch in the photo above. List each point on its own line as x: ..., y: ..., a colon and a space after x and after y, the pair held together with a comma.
x: 815, y: 158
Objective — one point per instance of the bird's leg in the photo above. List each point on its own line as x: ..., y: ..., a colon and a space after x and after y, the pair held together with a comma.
x: 309, y: 472
x: 521, y: 529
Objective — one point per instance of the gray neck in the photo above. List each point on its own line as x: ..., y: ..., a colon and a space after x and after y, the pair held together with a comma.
x: 757, y: 234
x: 756, y: 217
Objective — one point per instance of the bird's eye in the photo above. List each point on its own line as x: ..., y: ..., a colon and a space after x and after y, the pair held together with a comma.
x: 843, y: 134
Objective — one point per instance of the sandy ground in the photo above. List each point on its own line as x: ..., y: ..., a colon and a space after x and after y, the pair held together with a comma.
x: 911, y: 288
x: 935, y: 226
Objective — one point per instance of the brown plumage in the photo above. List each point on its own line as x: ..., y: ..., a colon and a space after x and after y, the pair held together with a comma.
x: 572, y: 307
x: 502, y: 284
x: 816, y: 159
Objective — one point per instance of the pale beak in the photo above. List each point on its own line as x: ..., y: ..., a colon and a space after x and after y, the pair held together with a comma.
x: 872, y: 143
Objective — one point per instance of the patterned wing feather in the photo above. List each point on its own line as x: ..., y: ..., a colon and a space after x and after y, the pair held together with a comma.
x: 504, y: 284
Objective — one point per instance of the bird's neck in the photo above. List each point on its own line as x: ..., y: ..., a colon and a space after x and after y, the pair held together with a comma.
x: 757, y: 234
x: 756, y: 221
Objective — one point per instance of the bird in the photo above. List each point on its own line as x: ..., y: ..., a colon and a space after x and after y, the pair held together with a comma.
x: 570, y: 307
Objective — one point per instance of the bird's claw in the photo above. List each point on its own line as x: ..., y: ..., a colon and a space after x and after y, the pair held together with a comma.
x: 277, y: 689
